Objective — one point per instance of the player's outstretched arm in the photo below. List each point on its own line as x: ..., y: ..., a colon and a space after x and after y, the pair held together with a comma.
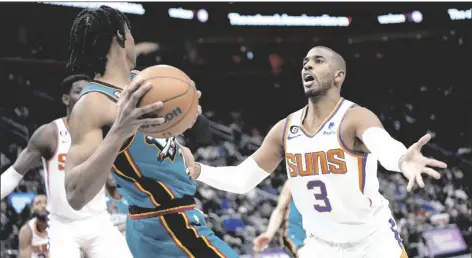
x: 392, y: 154
x: 248, y: 174
x: 275, y: 220
x: 91, y: 156
x: 24, y: 238
x: 41, y: 144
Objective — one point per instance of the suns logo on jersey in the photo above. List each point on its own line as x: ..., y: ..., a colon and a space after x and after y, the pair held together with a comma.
x: 167, y: 147
x: 315, y: 163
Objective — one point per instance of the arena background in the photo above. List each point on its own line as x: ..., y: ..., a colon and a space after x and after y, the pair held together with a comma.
x: 408, y: 62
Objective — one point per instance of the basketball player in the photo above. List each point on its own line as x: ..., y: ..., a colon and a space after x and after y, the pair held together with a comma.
x: 90, y: 228
x: 331, y: 148
x: 293, y: 232
x: 150, y: 172
x: 33, y: 237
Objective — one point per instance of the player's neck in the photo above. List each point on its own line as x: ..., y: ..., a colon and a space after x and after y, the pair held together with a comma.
x: 116, y: 73
x: 323, y: 107
x: 41, y: 225
x: 68, y: 111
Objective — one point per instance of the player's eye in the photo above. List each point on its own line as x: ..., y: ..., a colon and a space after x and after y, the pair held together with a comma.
x: 318, y: 61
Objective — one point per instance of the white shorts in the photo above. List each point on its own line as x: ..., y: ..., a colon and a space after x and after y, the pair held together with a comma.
x: 96, y: 236
x: 384, y: 243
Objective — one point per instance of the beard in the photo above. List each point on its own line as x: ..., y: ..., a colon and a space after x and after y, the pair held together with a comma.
x: 315, y: 94
x: 40, y: 216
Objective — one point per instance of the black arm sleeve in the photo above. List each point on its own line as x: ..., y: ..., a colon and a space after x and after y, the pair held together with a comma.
x: 200, y: 134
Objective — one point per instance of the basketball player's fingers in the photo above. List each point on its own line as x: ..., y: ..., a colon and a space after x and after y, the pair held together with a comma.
x: 423, y: 140
x: 419, y: 180
x: 133, y: 86
x: 199, y: 94
x: 199, y: 109
x: 148, y: 109
x: 139, y: 93
x: 431, y: 172
x: 152, y: 121
x: 435, y: 163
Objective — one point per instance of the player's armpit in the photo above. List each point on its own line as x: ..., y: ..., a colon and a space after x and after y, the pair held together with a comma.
x: 25, y: 236
x: 90, y: 156
x: 244, y: 177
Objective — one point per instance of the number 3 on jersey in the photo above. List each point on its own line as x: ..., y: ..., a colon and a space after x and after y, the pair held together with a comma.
x: 321, y: 196
x: 61, y: 161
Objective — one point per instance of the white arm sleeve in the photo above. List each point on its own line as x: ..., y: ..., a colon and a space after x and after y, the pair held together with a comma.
x: 236, y: 179
x: 9, y: 181
x: 387, y: 150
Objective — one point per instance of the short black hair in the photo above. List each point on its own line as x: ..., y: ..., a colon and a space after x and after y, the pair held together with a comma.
x: 336, y: 58
x: 66, y: 84
x: 91, y: 36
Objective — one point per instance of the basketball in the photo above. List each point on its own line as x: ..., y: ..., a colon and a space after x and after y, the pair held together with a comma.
x: 178, y: 93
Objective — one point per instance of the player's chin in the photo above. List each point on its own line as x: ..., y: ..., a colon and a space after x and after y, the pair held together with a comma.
x: 310, y: 92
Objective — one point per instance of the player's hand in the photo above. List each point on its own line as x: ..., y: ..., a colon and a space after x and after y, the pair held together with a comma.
x: 413, y: 164
x: 199, y: 109
x: 190, y: 162
x: 129, y: 117
x: 261, y: 242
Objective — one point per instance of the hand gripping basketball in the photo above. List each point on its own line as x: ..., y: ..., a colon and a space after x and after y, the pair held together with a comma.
x: 129, y: 117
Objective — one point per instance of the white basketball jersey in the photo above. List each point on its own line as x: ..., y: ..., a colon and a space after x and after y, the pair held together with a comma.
x: 334, y: 188
x: 39, y: 241
x: 58, y: 206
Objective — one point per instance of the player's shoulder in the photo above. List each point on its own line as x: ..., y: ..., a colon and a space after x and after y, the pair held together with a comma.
x: 26, y: 230
x: 358, y: 112
x: 356, y: 116
x: 44, y: 136
x: 95, y: 107
x: 279, y: 127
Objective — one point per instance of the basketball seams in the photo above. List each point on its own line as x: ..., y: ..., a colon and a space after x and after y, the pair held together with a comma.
x: 173, y: 98
x: 170, y: 77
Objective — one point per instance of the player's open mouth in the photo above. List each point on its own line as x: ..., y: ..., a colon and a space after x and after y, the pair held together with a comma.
x: 308, y: 78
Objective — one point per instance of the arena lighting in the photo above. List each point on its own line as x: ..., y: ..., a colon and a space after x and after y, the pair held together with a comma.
x: 180, y: 13
x: 202, y: 15
x: 125, y: 7
x: 455, y: 14
x: 391, y: 18
x: 415, y: 16
x: 236, y: 19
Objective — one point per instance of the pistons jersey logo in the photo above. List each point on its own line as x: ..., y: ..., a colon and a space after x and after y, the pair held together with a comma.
x: 167, y: 147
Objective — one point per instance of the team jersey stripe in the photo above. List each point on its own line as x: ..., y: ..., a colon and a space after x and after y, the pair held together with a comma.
x: 126, y: 168
x: 331, y: 115
x: 286, y: 131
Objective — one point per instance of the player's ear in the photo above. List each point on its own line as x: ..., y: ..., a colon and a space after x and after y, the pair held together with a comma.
x: 339, y: 76
x: 65, y: 99
x: 119, y: 35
